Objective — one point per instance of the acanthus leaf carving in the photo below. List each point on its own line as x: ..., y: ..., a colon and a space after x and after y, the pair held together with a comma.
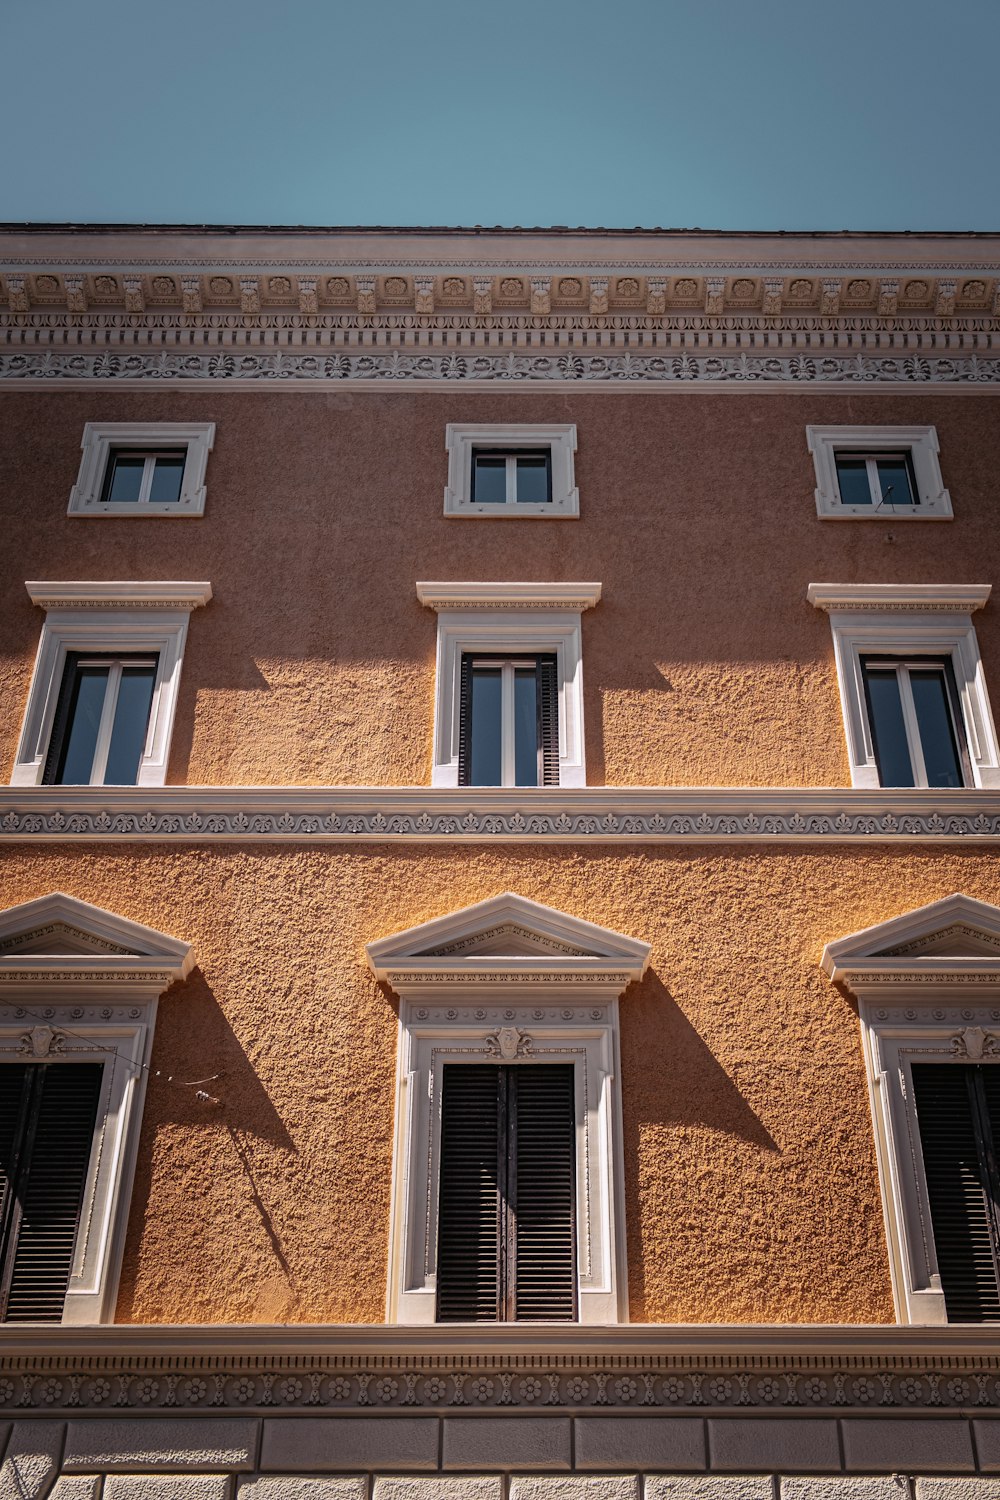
x: 508, y: 1043
x: 975, y: 1043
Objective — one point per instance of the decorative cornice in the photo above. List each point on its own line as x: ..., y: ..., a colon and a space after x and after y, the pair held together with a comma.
x: 589, y: 815
x: 897, y: 598
x: 115, y: 595
x: 504, y: 596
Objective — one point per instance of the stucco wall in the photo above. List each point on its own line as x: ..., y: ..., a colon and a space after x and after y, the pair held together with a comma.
x: 750, y: 1174
x: 703, y: 665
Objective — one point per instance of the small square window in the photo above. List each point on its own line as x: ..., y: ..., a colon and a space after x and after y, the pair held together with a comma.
x: 511, y: 472
x: 878, y: 473
x: 150, y: 469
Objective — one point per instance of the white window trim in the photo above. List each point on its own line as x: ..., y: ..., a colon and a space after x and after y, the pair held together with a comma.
x: 559, y: 438
x: 928, y: 990
x: 114, y: 619
x: 80, y: 984
x: 509, y: 619
x: 508, y: 980
x: 99, y: 438
x: 909, y: 620
x: 933, y: 500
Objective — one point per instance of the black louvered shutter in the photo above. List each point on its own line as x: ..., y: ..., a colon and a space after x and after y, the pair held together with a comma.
x: 954, y: 1107
x: 465, y: 722
x: 47, y: 1118
x: 60, y: 723
x: 547, y: 697
x: 507, y: 1196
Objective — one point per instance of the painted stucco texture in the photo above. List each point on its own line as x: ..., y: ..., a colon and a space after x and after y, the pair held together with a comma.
x: 314, y: 663
x: 751, y: 1191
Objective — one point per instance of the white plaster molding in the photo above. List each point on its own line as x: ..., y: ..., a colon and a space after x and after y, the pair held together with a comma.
x: 101, y: 438
x: 928, y: 990
x: 446, y: 596
x: 928, y: 619
x: 560, y: 440
x: 104, y: 594
x: 933, y: 500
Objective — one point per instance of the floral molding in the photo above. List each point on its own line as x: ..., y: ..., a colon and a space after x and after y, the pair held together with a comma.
x: 598, y: 815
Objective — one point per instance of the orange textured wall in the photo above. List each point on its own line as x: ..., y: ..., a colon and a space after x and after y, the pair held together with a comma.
x: 704, y: 665
x: 750, y: 1172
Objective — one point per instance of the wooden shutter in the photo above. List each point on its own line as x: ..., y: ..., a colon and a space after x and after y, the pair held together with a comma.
x: 47, y: 1133
x: 465, y: 722
x: 60, y: 723
x: 507, y: 1196
x: 547, y: 698
x: 958, y: 1113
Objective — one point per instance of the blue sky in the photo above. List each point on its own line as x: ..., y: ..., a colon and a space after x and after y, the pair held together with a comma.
x: 732, y: 114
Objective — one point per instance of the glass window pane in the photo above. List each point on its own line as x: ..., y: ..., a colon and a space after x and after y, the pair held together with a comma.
x: 128, y: 733
x: 167, y: 476
x: 489, y: 479
x: 852, y: 479
x: 533, y: 483
x: 888, y: 729
x: 485, y: 769
x: 525, y: 728
x: 937, y: 737
x: 894, y: 482
x: 125, y: 479
x: 84, y: 722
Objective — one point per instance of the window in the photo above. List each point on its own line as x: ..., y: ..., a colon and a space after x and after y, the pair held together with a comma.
x: 142, y: 468
x: 914, y: 700
x: 927, y: 986
x: 509, y: 733
x: 507, y: 1148
x: 510, y: 471
x: 79, y: 988
x: 878, y: 473
x: 104, y: 691
x: 527, y: 640
x: 507, y: 1209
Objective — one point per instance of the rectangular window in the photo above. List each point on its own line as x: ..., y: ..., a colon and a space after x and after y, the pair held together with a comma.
x: 101, y: 721
x: 509, y: 721
x: 144, y: 476
x: 876, y: 479
x: 916, y: 722
x: 958, y: 1114
x: 47, y: 1117
x: 507, y: 1200
x: 511, y: 476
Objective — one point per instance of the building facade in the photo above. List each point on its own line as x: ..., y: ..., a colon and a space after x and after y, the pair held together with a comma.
x: 499, y: 906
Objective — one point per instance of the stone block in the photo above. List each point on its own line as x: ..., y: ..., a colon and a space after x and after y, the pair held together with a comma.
x: 31, y: 1462
x: 855, y: 1487
x: 708, y: 1487
x: 987, y: 1434
x: 574, y: 1487
x: 115, y: 1445
x: 326, y: 1444
x: 958, y: 1489
x: 661, y: 1442
x: 442, y: 1487
x: 168, y: 1487
x: 76, y: 1487
x: 879, y: 1444
x: 507, y: 1443
x: 299, y: 1487
x: 772, y: 1444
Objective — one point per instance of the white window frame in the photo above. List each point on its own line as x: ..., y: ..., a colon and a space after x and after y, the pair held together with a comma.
x: 928, y: 990
x: 508, y: 980
x: 101, y: 438
x: 933, y: 502
x: 558, y: 438
x: 110, y: 619
x: 81, y: 984
x: 907, y: 621
x: 509, y: 619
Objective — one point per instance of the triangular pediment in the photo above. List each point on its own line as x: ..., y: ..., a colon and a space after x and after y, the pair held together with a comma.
x: 952, y: 936
x: 56, y: 933
x: 508, y: 934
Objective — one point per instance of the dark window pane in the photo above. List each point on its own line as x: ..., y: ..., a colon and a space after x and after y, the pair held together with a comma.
x: 489, y: 479
x: 125, y: 478
x: 525, y: 728
x: 852, y: 479
x: 888, y: 729
x: 894, y: 482
x: 128, y: 734
x: 84, y: 722
x: 167, y: 476
x: 486, y: 762
x: 937, y: 737
x: 533, y: 479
